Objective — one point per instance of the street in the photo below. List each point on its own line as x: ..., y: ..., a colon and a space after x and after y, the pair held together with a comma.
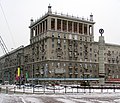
x: 56, y: 98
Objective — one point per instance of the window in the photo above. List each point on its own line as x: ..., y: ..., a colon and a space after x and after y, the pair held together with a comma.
x: 64, y: 35
x: 64, y: 46
x: 81, y: 70
x: 85, y: 65
x: 70, y: 70
x: 76, y: 75
x: 90, y: 39
x: 69, y: 26
x: 58, y: 40
x: 76, y: 70
x: 80, y: 48
x: 64, y: 25
x: 58, y: 64
x: 80, y: 54
x: 53, y: 35
x: 75, y: 27
x: 52, y: 23
x: 85, y: 28
x: 58, y: 24
x: 85, y: 38
x: 90, y: 71
x: 80, y: 65
x: 95, y: 55
x: 52, y: 45
x: 80, y: 28
x: 52, y: 40
x: 70, y: 36
x: 90, y: 29
x: 58, y: 35
x: 70, y: 76
x: 81, y: 38
x: 90, y: 54
x: 75, y: 37
x: 70, y: 64
x: 90, y: 49
x: 70, y: 53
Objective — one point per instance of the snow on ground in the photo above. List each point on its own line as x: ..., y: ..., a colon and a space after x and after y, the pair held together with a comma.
x: 71, y: 98
x: 107, y: 96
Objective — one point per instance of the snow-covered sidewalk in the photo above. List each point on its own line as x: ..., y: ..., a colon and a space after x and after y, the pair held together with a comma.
x: 73, y: 98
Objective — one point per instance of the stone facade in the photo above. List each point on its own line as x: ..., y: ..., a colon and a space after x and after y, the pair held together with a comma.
x: 61, y: 46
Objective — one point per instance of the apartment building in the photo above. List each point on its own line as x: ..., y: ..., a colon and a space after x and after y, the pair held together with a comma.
x: 61, y: 46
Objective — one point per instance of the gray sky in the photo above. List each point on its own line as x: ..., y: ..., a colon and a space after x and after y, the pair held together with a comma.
x: 19, y: 12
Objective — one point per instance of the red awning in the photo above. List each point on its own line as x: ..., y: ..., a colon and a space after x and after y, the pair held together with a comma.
x: 114, y: 80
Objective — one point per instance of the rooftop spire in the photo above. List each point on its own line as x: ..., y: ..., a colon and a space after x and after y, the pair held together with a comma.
x: 49, y: 9
x: 91, y: 17
x: 31, y: 21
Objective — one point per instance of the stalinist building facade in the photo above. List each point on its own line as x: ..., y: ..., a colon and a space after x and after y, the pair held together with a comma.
x: 61, y: 46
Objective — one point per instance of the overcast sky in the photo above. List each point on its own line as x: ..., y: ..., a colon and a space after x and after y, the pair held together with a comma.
x: 19, y: 12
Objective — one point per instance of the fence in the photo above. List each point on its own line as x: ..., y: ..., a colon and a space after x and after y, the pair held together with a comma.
x: 59, y: 89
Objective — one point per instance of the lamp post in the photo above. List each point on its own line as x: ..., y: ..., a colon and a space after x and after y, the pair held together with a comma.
x: 32, y: 73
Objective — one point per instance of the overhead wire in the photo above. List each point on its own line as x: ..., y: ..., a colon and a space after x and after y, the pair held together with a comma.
x: 7, y: 23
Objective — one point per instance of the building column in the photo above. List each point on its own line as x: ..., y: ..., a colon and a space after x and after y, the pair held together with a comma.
x: 35, y: 30
x: 55, y: 24
x: 77, y: 27
x: 49, y: 23
x: 72, y: 27
x: 67, y: 26
x: 45, y: 25
x: 61, y: 25
x: 92, y: 30
x: 39, y: 29
x: 83, y: 28
x: 31, y: 33
x: 87, y: 29
x: 42, y: 27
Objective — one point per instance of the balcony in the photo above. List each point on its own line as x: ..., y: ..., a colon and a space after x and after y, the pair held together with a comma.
x: 41, y: 72
x: 70, y: 72
x: 37, y: 73
x: 75, y: 45
x: 59, y: 54
x: 70, y: 67
x: 70, y: 55
x: 75, y: 49
x: 75, y: 72
x: 70, y: 48
x: 75, y: 55
x: 58, y: 49
x: 70, y: 43
x: 59, y: 71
